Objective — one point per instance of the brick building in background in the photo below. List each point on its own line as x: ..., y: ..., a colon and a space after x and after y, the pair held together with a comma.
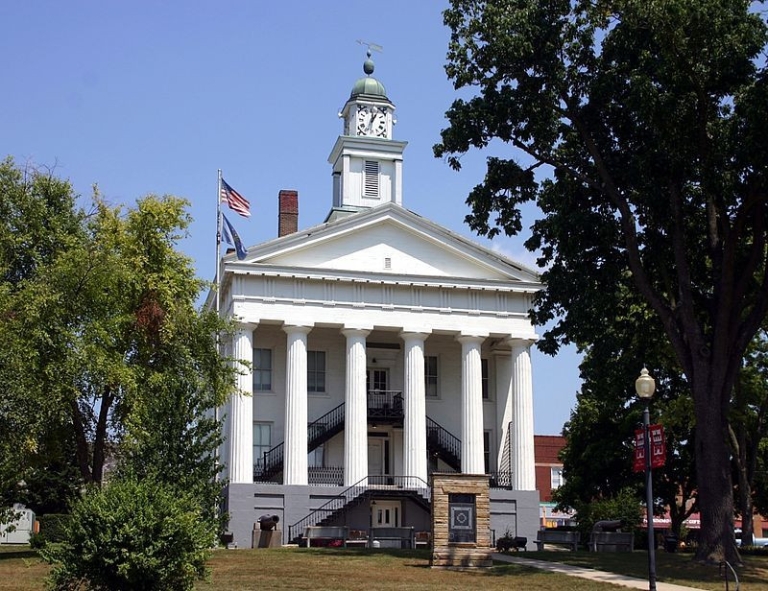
x: 549, y: 476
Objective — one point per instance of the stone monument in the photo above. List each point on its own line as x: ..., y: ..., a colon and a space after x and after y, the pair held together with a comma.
x: 461, y: 521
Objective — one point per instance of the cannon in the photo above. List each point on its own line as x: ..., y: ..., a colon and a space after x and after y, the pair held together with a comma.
x: 610, y: 525
x: 268, y: 522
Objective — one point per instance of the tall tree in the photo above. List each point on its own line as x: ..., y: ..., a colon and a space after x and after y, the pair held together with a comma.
x: 98, y: 328
x: 39, y: 222
x: 651, y: 120
x: 172, y: 437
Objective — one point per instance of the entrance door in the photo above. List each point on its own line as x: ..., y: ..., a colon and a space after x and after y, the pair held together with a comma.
x: 379, y: 399
x: 375, y: 457
x: 385, y: 514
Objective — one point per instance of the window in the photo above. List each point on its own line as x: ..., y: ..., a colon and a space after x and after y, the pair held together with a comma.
x: 377, y: 379
x: 556, y: 477
x: 484, y: 378
x: 371, y: 179
x: 262, y: 370
x: 487, y: 451
x: 316, y: 458
x: 430, y: 376
x: 315, y: 371
x: 262, y: 441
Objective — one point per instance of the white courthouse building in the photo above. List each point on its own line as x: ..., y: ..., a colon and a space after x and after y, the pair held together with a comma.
x: 381, y: 347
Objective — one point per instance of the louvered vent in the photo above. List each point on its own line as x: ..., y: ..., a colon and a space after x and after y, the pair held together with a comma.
x: 371, y: 188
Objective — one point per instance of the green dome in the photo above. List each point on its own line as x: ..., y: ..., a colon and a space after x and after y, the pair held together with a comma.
x: 369, y: 86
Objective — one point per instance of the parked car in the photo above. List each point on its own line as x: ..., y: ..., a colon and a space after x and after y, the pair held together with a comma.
x: 755, y: 540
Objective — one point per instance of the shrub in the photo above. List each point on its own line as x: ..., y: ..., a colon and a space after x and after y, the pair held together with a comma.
x: 132, y: 535
x: 36, y: 540
x: 52, y: 528
x: 624, y: 506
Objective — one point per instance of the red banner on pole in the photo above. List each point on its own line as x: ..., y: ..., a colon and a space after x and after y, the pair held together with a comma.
x: 639, y: 463
x: 658, y: 448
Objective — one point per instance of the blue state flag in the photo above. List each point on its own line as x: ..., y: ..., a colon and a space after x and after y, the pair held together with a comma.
x: 231, y: 237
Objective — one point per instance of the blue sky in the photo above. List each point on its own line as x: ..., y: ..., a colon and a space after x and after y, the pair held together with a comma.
x: 153, y: 97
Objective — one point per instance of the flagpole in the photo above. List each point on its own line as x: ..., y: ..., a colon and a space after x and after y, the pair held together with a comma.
x: 218, y: 243
x: 217, y: 286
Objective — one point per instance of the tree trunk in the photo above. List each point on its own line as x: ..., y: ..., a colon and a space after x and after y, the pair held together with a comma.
x: 100, y: 438
x: 81, y: 441
x: 716, y: 539
x: 745, y: 506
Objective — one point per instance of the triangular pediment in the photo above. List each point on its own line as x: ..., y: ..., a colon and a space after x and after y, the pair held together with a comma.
x: 387, y: 240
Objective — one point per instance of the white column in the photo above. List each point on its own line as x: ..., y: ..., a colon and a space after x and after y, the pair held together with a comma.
x: 295, y: 465
x: 415, y: 408
x: 523, y: 462
x: 471, y: 405
x: 356, y: 409
x: 240, y: 454
x: 503, y: 409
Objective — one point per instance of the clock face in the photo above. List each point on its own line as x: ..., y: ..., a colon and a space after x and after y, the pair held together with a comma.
x: 372, y: 121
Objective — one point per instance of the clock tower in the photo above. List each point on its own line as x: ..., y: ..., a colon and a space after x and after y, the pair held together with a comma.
x: 367, y: 163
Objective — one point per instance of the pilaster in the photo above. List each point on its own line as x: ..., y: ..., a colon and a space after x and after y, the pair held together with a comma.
x: 356, y: 408
x: 414, y: 402
x: 241, y: 411
x: 471, y: 405
x: 523, y: 461
x: 295, y: 455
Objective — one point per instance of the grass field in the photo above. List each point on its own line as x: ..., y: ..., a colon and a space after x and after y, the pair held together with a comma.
x: 352, y: 569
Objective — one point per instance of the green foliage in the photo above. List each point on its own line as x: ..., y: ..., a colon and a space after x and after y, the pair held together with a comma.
x: 132, y: 535
x: 173, y: 436
x: 38, y: 224
x: 598, y: 456
x: 640, y: 129
x: 53, y: 526
x: 102, y: 349
x: 624, y: 506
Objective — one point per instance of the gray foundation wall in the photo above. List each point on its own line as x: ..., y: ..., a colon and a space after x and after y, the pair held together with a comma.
x: 513, y: 511
x: 516, y: 512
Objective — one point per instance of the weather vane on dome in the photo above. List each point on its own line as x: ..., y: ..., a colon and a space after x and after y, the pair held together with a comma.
x: 371, y: 46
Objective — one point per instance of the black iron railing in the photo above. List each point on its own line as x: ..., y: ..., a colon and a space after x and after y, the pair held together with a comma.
x: 328, y: 476
x: 444, y: 444
x: 382, y: 404
x: 318, y: 432
x: 385, y: 404
x: 501, y: 480
x: 355, y: 494
x: 321, y: 430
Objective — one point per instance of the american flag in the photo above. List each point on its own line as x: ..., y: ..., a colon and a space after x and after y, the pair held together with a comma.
x: 235, y: 200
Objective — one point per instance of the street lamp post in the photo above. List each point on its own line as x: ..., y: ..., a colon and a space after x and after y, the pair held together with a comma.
x: 645, y: 387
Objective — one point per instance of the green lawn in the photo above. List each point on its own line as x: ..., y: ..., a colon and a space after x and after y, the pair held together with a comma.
x: 670, y: 568
x: 338, y: 569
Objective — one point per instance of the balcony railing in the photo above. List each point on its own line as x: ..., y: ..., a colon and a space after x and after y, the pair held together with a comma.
x: 385, y: 404
x: 501, y: 480
x: 330, y: 476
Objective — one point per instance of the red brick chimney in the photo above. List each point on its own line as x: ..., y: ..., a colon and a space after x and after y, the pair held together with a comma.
x: 288, y: 212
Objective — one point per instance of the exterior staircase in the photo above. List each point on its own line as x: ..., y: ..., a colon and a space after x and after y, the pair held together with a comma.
x: 383, y: 407
x: 318, y: 432
x: 443, y: 444
x: 360, y: 493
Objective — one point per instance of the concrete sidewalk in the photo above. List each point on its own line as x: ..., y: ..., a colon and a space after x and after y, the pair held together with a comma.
x: 588, y: 573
